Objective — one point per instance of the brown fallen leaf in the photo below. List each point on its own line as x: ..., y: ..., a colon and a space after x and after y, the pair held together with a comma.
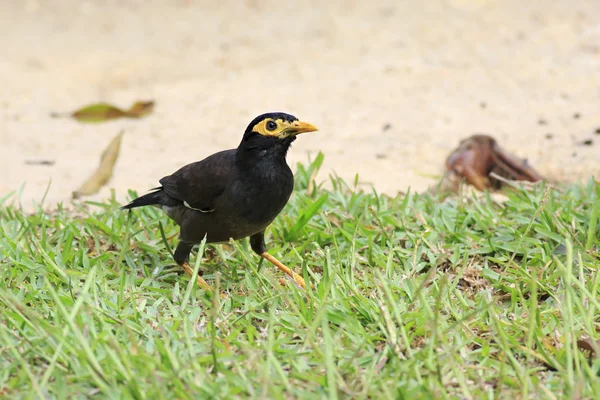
x: 101, y: 112
x: 104, y: 172
x: 483, y: 164
x: 140, y: 108
x: 334, y: 220
x: 588, y: 344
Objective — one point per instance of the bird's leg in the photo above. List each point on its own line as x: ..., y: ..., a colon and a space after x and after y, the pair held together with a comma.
x: 257, y: 242
x: 297, y: 278
x: 181, y: 256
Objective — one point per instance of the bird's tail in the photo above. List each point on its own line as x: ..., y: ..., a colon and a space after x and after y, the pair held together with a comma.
x: 146, y: 200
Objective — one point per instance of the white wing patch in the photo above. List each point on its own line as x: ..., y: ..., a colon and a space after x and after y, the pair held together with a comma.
x: 185, y: 203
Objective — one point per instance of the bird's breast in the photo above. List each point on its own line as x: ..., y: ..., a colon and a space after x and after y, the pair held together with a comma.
x: 262, y: 197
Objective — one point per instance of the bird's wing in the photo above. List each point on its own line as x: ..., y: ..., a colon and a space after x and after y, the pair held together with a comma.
x: 199, y: 184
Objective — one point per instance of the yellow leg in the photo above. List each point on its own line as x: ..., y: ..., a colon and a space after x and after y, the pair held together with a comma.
x: 297, y: 278
x: 201, y: 282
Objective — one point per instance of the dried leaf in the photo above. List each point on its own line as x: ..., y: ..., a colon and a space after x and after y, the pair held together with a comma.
x: 104, y: 172
x: 103, y: 112
x: 334, y: 220
x: 483, y: 164
x: 98, y: 113
x: 588, y: 344
x: 140, y: 108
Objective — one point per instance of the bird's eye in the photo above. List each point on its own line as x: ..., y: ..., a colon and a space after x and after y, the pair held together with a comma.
x: 271, y: 125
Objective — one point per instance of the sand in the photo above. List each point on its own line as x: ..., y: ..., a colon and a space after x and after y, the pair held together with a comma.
x: 392, y: 85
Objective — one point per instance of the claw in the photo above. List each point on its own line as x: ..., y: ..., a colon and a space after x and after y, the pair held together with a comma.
x: 297, y: 279
x: 201, y: 282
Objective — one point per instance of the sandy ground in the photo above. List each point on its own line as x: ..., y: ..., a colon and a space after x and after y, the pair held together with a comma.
x: 392, y: 85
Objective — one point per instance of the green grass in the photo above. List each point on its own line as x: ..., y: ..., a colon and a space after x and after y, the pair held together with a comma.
x: 414, y: 297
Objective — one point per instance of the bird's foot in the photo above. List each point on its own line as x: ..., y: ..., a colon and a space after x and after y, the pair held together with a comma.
x: 295, y: 277
x: 201, y: 282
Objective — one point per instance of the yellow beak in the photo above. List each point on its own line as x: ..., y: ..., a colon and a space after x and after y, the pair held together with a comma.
x: 299, y: 127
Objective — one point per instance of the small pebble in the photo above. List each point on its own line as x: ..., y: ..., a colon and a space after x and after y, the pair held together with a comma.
x: 588, y: 142
x: 380, y: 156
x: 386, y: 127
x: 542, y: 121
x: 597, y: 131
x: 549, y: 136
x: 576, y: 116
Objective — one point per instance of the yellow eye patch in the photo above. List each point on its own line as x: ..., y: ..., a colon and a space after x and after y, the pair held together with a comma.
x: 271, y: 127
x: 281, y: 128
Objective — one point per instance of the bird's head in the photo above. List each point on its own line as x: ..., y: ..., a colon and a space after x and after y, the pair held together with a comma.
x: 274, y: 131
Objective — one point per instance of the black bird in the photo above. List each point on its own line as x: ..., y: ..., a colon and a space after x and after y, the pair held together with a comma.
x: 234, y: 193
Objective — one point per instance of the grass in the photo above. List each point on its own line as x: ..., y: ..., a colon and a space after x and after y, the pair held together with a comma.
x: 414, y: 297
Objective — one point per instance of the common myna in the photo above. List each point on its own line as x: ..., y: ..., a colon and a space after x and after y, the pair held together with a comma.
x: 234, y: 193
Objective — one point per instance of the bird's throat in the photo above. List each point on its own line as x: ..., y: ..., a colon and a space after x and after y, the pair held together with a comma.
x: 264, y: 154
